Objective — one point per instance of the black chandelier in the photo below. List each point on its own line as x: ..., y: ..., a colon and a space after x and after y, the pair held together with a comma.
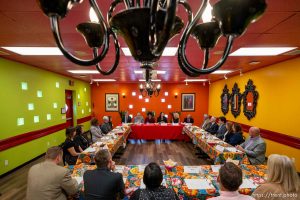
x: 148, y: 25
x: 150, y: 88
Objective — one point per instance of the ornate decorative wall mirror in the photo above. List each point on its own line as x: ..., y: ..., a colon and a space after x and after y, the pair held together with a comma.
x: 225, y: 98
x: 250, y: 97
x: 236, y: 100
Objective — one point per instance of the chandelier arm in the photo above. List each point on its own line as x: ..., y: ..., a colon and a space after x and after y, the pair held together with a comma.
x: 188, y: 9
x: 159, y: 43
x: 117, y: 57
x: 146, y: 3
x: 152, y: 31
x: 112, y: 8
x: 183, y: 62
x: 138, y: 3
x: 127, y: 3
x: 206, y: 58
x: 56, y: 33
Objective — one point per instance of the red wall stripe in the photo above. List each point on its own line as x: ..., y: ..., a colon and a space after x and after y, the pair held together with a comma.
x: 276, y: 137
x: 84, y: 119
x: 27, y: 137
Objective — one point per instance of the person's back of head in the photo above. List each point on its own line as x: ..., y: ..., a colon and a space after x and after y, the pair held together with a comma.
x: 282, y: 170
x: 94, y: 122
x: 152, y: 176
x: 105, y: 119
x: 229, y: 127
x: 237, y: 128
x: 54, y: 154
x: 102, y: 158
x: 230, y: 177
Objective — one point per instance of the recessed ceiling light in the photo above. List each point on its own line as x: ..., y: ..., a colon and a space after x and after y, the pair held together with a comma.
x: 168, y: 51
x: 222, y: 72
x: 261, y: 51
x: 195, y: 80
x: 157, y: 71
x: 36, y: 51
x: 83, y: 71
x: 153, y: 80
x: 104, y: 80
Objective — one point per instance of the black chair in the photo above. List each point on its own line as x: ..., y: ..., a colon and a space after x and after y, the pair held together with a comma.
x: 88, y: 136
x: 63, y: 157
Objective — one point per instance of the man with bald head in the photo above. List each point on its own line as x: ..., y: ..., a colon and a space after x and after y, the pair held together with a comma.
x: 254, y: 147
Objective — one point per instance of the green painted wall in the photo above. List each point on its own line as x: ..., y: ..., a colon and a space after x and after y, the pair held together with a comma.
x: 14, y: 105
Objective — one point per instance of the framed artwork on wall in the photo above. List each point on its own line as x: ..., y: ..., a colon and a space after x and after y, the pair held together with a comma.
x: 250, y: 97
x: 188, y: 102
x: 111, y: 102
x: 236, y: 100
x: 225, y: 98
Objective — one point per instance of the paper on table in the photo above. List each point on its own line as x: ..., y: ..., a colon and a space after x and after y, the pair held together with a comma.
x: 236, y: 162
x: 79, y: 179
x: 120, y: 168
x: 192, y: 169
x: 247, y: 184
x: 219, y: 148
x: 142, y: 168
x: 232, y: 149
x: 197, y: 184
x: 215, y: 168
x: 90, y: 150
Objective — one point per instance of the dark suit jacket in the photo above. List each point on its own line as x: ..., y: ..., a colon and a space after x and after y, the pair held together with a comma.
x: 213, y: 128
x: 128, y: 119
x: 221, y: 131
x: 228, y: 136
x: 149, y: 121
x: 105, y: 127
x: 159, y: 120
x: 237, y: 138
x: 102, y: 184
x: 191, y: 120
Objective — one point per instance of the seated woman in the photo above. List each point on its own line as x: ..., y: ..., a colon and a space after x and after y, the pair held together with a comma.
x: 79, y: 139
x: 154, y: 190
x: 95, y: 130
x: 161, y: 118
x: 71, y: 149
x: 282, y: 180
x: 237, y: 137
x: 149, y: 119
x: 175, y: 118
x: 229, y: 133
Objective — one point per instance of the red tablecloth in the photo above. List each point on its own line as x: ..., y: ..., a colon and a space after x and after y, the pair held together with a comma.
x: 156, y: 131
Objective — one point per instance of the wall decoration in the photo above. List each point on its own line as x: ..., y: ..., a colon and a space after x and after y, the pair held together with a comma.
x: 188, y: 102
x: 250, y: 97
x: 225, y: 98
x: 236, y: 100
x: 111, y: 102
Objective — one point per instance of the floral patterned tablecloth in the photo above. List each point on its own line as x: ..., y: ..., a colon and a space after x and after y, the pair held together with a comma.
x: 174, y: 178
x: 113, y: 141
x: 208, y: 143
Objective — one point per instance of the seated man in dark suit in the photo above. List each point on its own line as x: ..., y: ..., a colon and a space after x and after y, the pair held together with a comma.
x: 213, y: 129
x: 222, y: 128
x: 188, y: 119
x: 102, y: 183
x: 106, y: 126
x: 126, y: 118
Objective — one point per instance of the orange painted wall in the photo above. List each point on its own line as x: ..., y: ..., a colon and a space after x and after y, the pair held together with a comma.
x: 278, y: 105
x: 154, y: 104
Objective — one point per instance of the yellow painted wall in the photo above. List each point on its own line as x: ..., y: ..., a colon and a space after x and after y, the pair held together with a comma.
x: 14, y: 104
x: 278, y: 106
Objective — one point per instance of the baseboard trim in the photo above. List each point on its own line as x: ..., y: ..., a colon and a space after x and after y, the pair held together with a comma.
x: 20, y: 166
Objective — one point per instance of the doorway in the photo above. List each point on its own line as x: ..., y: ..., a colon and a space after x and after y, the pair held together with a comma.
x: 69, y: 107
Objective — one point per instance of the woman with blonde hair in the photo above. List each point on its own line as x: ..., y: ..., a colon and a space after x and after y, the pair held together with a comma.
x: 175, y: 118
x: 283, y: 181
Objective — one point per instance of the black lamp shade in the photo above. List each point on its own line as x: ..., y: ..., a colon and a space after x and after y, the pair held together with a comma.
x: 93, y: 33
x: 55, y: 7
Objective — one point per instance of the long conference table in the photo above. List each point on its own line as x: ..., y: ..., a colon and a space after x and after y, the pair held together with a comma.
x: 178, y: 177
x: 158, y: 131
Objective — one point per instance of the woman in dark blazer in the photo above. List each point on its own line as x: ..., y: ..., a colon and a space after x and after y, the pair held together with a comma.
x: 237, y: 137
x: 161, y: 118
x: 229, y: 133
